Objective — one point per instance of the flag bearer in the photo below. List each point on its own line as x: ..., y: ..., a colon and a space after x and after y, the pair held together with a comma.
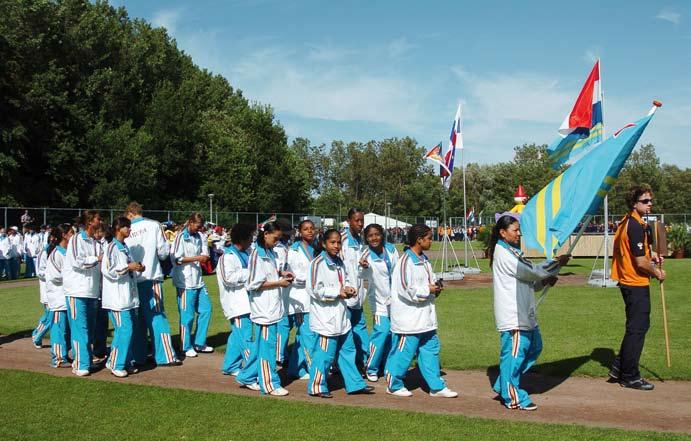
x: 515, y: 280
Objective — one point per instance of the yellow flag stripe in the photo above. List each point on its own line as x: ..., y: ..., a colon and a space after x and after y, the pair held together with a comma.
x: 540, y: 217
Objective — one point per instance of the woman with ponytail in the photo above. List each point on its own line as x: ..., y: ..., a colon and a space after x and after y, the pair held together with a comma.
x: 56, y: 251
x: 514, y: 281
x: 264, y: 286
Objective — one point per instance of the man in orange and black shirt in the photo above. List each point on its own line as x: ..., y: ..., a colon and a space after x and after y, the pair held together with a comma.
x: 633, y: 264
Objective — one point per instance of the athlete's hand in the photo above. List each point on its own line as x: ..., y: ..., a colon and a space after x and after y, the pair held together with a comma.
x: 551, y: 281
x: 284, y: 283
x: 364, y: 263
x: 434, y: 288
x: 349, y: 291
x: 660, y: 274
x: 563, y: 259
x: 203, y: 258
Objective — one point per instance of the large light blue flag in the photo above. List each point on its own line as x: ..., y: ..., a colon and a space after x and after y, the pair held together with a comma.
x: 554, y: 213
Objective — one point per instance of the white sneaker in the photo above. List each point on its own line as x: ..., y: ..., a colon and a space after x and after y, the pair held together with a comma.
x: 372, y: 377
x: 305, y: 377
x: 402, y: 392
x: 235, y: 373
x: 251, y: 386
x: 204, y: 349
x: 444, y: 393
x: 280, y: 392
x: 119, y: 373
x: 190, y: 353
x: 38, y: 345
x: 81, y: 372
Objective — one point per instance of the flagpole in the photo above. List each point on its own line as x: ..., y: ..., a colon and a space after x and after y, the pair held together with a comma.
x: 465, y: 215
x: 605, y: 272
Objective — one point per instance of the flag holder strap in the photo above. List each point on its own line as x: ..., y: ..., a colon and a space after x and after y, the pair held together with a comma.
x: 586, y: 221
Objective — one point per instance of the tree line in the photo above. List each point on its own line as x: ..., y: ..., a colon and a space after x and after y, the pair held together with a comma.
x: 99, y: 109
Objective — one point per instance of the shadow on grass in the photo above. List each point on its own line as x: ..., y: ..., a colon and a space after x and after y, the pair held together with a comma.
x: 9, y: 338
x: 546, y: 376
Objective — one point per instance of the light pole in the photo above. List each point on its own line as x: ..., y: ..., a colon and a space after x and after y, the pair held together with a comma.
x: 388, y: 215
x: 211, y: 207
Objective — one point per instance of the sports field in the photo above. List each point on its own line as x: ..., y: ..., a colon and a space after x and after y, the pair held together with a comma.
x: 581, y: 327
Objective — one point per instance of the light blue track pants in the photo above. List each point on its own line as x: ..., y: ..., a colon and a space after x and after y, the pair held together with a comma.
x: 151, y: 322
x: 379, y: 345
x: 282, y: 335
x: 121, y: 346
x: 404, y: 347
x: 360, y: 336
x: 261, y: 366
x: 519, y: 352
x: 59, y: 338
x: 301, y: 355
x: 239, y: 344
x: 81, y: 316
x: 340, y: 348
x: 43, y: 326
x: 190, y: 303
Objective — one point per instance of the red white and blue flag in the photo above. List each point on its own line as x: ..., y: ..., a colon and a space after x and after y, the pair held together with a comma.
x: 583, y: 126
x: 455, y: 142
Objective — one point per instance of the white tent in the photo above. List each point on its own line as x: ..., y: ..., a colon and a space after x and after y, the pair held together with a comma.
x: 386, y: 222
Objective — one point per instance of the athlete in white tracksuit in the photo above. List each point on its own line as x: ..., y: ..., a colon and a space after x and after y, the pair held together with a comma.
x: 287, y: 322
x: 45, y: 321
x: 300, y: 255
x: 148, y: 246
x: 351, y: 250
x: 329, y: 286
x: 376, y: 266
x: 514, y: 281
x: 414, y: 318
x: 189, y: 251
x: 264, y: 285
x: 232, y: 273
x: 82, y: 282
x: 119, y: 296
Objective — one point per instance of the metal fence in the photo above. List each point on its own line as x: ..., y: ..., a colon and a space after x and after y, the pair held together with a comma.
x: 12, y: 216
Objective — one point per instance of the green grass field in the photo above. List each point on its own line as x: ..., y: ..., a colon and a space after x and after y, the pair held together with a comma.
x: 581, y: 327
x: 38, y: 406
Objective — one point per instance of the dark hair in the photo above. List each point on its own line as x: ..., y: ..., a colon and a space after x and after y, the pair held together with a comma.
x: 87, y: 216
x: 376, y: 227
x: 241, y: 232
x: 636, y: 192
x: 416, y: 232
x: 196, y: 217
x: 322, y: 239
x: 268, y: 227
x: 121, y: 222
x: 503, y: 223
x: 55, y: 236
x: 303, y: 222
x: 353, y: 211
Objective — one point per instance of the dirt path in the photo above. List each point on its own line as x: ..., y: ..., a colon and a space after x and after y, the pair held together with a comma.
x: 576, y: 400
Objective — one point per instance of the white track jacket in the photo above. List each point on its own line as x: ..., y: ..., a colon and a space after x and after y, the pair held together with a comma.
x: 378, y: 275
x: 329, y: 315
x: 119, y: 284
x: 54, y: 288
x: 232, y: 273
x: 266, y: 305
x: 148, y: 245
x: 299, y: 258
x: 81, y: 274
x: 412, y: 304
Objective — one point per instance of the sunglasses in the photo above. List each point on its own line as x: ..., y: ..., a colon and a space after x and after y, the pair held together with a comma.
x: 645, y: 201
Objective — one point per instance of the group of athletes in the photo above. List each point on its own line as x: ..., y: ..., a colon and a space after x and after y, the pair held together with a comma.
x: 91, y: 273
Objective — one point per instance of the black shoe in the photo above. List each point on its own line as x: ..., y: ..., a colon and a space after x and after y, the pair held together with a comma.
x: 614, y: 372
x: 639, y: 384
x: 322, y: 395
x: 367, y: 390
x: 175, y: 362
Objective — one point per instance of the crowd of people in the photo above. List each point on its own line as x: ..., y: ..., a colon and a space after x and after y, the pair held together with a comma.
x: 273, y: 279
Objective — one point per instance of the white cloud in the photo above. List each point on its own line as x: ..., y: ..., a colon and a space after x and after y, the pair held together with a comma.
x: 669, y: 15
x: 167, y: 18
x: 322, y: 90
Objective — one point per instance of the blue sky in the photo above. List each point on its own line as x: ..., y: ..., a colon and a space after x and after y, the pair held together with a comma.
x: 361, y: 70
